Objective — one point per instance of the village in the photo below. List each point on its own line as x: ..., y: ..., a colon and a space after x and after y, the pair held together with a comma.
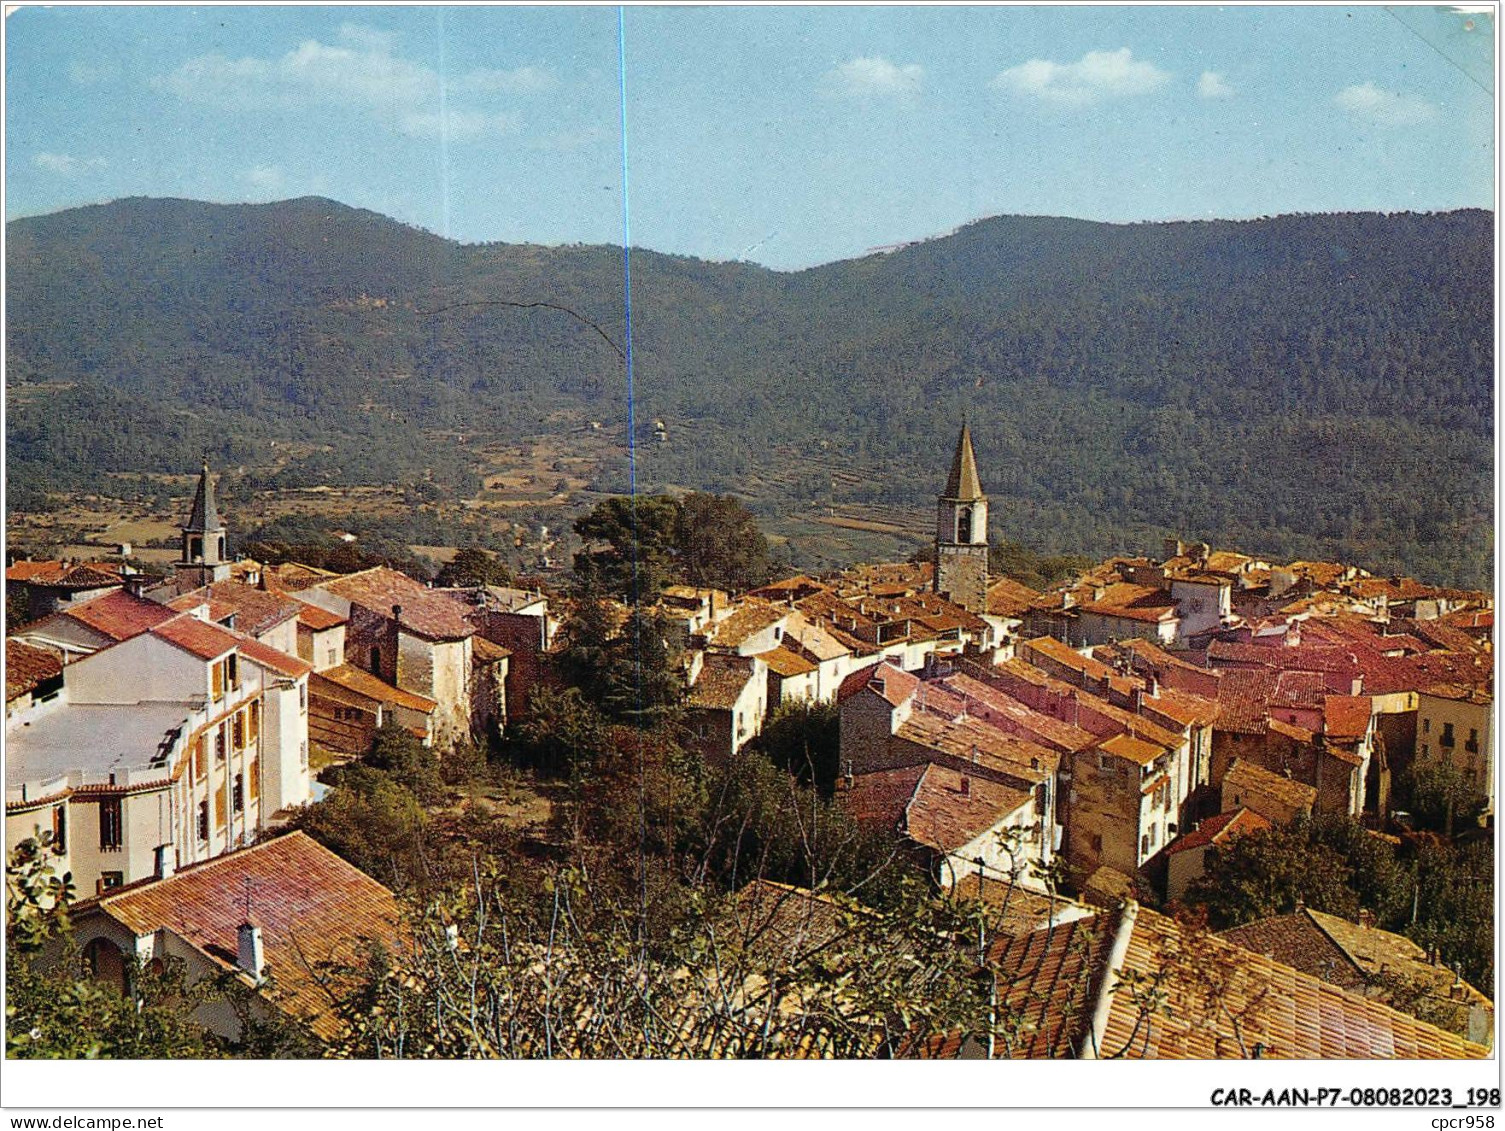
x: 1075, y: 762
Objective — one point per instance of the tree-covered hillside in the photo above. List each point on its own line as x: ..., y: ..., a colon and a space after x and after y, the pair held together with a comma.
x: 1298, y: 386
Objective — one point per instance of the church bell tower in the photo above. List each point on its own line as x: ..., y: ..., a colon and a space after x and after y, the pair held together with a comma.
x: 203, y: 539
x: 961, y: 535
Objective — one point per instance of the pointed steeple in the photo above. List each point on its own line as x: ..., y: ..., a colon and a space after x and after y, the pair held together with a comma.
x: 205, y: 517
x: 963, y: 483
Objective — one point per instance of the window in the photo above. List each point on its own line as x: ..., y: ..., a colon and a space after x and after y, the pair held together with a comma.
x: 203, y: 820
x: 233, y: 667
x: 1426, y: 726
x: 219, y: 744
x: 60, y: 829
x: 238, y: 730
x: 1472, y: 745
x: 200, y: 758
x: 1097, y: 842
x: 303, y: 697
x: 1425, y: 750
x: 254, y: 719
x: 253, y: 773
x: 238, y: 794
x: 1447, y: 734
x: 1144, y: 845
x: 109, y: 880
x: 109, y: 823
x: 219, y: 808
x: 217, y: 681
x: 376, y: 661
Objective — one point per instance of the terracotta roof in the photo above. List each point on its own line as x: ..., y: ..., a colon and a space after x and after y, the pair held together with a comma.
x: 426, y: 612
x: 1049, y: 731
x: 1291, y: 731
x: 119, y: 615
x: 312, y: 907
x: 1296, y: 941
x: 1244, y: 774
x: 485, y: 651
x: 878, y: 799
x: 295, y: 576
x: 75, y: 575
x: 312, y: 616
x: 1133, y: 749
x: 1347, y: 716
x: 1185, y: 708
x: 721, y: 682
x: 894, y: 684
x: 1460, y: 692
x: 256, y: 610
x: 1291, y: 1015
x: 748, y: 619
x: 982, y: 744
x: 1285, y: 657
x: 1216, y: 830
x: 946, y: 814
x: 26, y: 570
x: 27, y: 667
x: 782, y: 661
x: 1244, y: 700
x: 1300, y: 689
x: 789, y: 924
x: 265, y: 656
x: 1010, y: 598
x: 364, y: 683
x: 1133, y: 602
x: 206, y: 641
x: 1377, y: 952
x: 1065, y: 655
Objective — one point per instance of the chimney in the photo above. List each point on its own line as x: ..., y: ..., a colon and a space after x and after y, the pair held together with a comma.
x: 164, y: 861
x: 966, y: 786
x: 1366, y: 917
x: 249, y: 953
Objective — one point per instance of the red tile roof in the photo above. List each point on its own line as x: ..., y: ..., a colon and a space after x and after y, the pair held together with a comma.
x: 950, y: 809
x: 119, y: 615
x: 426, y: 612
x: 786, y: 663
x: 1216, y: 830
x: 1010, y: 598
x: 27, y: 667
x: 265, y: 656
x: 721, y: 682
x: 313, y: 908
x: 1347, y: 716
x: 878, y: 799
x: 256, y: 610
x: 894, y: 684
x: 751, y: 617
x: 312, y: 616
x: 206, y: 641
x: 1246, y: 775
x: 977, y: 742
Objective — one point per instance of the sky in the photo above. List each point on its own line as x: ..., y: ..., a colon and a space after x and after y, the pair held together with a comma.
x: 782, y: 136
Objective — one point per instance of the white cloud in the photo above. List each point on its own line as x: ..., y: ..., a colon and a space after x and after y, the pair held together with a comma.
x: 457, y: 125
x: 360, y: 71
x: 1211, y: 85
x: 65, y: 165
x: 874, y: 76
x: 1383, y: 107
x: 266, y: 178
x: 1096, y: 75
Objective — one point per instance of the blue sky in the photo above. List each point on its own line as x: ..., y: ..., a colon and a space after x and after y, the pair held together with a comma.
x: 787, y: 136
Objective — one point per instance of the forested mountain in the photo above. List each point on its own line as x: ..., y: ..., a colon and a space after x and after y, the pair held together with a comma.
x: 1294, y: 386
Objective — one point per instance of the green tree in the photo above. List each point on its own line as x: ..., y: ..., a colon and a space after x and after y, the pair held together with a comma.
x: 630, y: 546
x: 719, y: 544
x: 1266, y: 873
x: 372, y: 821
x: 473, y: 566
x: 804, y: 739
x: 1441, y: 797
x: 399, y: 753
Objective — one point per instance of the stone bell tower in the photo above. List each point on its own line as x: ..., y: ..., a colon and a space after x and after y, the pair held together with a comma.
x: 961, y: 535
x: 203, y: 559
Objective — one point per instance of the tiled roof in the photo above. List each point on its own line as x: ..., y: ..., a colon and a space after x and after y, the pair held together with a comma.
x: 1244, y: 774
x: 256, y: 610
x: 783, y: 661
x: 721, y: 682
x: 119, y: 615
x: 206, y: 641
x: 295, y: 576
x: 1378, y: 952
x: 1216, y: 830
x: 66, y: 575
x: 878, y: 799
x: 1065, y: 655
x: 1050, y: 731
x: 1300, y: 689
x: 1296, y: 941
x: 980, y: 743
x: 1281, y: 657
x: 27, y: 667
x: 1347, y: 716
x: 894, y: 684
x: 787, y: 924
x: 1133, y: 602
x: 485, y: 651
x: 364, y: 683
x: 312, y: 907
x: 1211, y: 984
x: 317, y: 619
x: 426, y: 612
x: 265, y: 656
x: 950, y: 809
x: 1010, y: 598
x: 748, y: 619
x: 1132, y: 749
x: 26, y: 570
x: 1244, y: 700
x: 1186, y: 708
